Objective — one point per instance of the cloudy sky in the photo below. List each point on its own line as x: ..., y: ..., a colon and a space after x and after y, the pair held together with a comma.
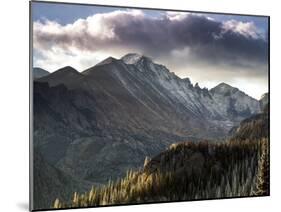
x: 207, y: 48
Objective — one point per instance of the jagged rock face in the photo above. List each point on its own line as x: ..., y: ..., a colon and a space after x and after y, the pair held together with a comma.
x: 97, y: 124
x: 39, y: 72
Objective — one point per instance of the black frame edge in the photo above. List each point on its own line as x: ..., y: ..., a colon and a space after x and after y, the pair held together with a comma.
x: 31, y: 208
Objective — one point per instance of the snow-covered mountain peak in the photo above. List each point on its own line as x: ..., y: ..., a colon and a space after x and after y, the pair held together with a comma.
x: 133, y: 58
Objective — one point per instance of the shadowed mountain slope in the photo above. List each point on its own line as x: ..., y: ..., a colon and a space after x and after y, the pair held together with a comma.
x: 50, y: 182
x: 39, y: 72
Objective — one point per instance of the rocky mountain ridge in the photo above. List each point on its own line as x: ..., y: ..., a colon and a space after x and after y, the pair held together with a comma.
x: 97, y: 124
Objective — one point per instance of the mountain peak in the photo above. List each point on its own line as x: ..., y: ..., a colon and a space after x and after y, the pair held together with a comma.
x: 67, y: 69
x: 39, y: 72
x: 133, y: 58
x: 223, y: 88
x: 107, y: 61
x: 224, y: 85
x: 66, y: 75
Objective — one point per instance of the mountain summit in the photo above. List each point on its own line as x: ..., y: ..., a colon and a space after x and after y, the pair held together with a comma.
x: 107, y: 61
x: 66, y: 75
x: 224, y: 88
x: 133, y: 58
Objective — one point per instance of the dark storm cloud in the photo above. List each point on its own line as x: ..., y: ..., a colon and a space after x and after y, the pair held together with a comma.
x: 207, y: 39
x: 160, y: 36
x: 233, y: 43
